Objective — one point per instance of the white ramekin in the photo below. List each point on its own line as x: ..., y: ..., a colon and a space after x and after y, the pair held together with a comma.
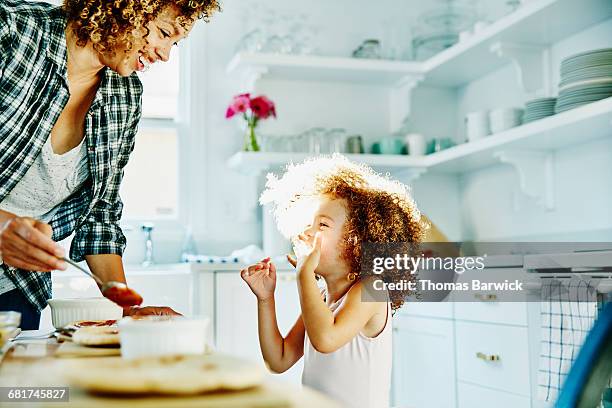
x: 66, y: 311
x: 162, y: 335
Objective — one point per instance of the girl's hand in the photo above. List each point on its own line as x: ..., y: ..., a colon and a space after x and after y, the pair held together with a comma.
x: 261, y: 278
x: 308, y: 251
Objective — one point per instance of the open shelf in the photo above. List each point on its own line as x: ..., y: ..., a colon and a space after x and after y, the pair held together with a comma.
x: 312, y: 67
x: 576, y: 126
x: 535, y: 25
x: 250, y: 162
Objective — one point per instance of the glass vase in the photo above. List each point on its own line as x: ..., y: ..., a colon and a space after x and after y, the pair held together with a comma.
x: 250, y: 140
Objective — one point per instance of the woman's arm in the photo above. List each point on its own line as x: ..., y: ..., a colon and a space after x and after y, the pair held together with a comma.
x: 279, y: 353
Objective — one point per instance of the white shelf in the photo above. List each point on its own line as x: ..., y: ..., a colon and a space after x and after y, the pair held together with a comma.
x: 312, y: 67
x: 577, y: 126
x: 536, y: 24
x: 255, y: 162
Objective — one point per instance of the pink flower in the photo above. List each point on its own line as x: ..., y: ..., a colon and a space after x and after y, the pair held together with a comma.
x: 239, y: 104
x: 262, y: 107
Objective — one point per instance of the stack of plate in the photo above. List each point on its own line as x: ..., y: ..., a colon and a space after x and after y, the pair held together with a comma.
x: 504, y: 119
x: 585, y: 78
x: 539, y: 108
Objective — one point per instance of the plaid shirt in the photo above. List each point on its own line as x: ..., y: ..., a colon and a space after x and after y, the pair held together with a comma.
x: 33, y: 93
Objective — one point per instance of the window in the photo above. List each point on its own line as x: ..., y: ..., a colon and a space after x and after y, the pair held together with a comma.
x: 150, y: 185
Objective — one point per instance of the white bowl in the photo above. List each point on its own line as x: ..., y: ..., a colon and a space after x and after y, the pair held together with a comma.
x: 66, y: 311
x: 162, y: 335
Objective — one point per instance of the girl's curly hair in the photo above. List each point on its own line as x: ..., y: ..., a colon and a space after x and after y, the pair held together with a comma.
x: 379, y: 210
x: 111, y: 24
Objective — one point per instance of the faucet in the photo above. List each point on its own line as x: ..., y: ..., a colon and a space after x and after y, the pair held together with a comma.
x: 147, y: 228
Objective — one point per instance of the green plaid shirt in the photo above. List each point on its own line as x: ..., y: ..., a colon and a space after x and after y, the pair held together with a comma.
x: 33, y: 93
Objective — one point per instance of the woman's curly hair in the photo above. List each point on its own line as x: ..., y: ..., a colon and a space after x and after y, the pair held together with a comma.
x: 379, y: 210
x: 111, y: 24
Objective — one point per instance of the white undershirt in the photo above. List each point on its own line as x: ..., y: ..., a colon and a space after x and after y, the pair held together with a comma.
x: 358, y: 374
x: 50, y: 180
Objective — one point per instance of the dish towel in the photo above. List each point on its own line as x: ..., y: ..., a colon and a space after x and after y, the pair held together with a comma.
x: 569, y: 308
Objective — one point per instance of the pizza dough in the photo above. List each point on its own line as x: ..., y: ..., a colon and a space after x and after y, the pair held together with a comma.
x: 97, y: 336
x: 174, y: 375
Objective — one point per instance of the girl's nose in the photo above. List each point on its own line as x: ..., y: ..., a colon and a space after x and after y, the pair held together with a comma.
x: 163, y: 53
x: 310, y: 231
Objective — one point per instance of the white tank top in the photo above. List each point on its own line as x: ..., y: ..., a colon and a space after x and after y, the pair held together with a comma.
x: 358, y: 374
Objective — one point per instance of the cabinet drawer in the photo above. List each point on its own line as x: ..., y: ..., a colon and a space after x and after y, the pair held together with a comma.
x: 492, y: 312
x: 473, y: 396
x: 476, y: 342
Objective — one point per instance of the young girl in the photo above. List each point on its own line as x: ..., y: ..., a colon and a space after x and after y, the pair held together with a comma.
x: 330, y: 207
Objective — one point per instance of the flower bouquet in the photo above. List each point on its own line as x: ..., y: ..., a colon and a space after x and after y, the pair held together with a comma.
x: 253, y: 110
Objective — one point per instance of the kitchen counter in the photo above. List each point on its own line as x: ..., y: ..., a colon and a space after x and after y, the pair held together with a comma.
x: 33, y: 364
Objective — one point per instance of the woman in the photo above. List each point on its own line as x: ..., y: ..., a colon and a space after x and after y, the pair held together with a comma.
x: 70, y: 103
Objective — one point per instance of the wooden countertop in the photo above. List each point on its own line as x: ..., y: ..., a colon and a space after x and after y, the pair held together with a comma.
x: 32, y: 363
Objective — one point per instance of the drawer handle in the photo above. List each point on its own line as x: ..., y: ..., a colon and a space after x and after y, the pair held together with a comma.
x: 486, y: 357
x: 486, y: 298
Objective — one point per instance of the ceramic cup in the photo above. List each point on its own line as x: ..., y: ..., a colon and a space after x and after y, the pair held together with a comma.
x: 416, y: 144
x: 390, y: 145
x: 477, y: 125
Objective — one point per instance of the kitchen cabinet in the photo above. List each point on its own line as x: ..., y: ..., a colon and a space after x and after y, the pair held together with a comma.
x: 423, y: 362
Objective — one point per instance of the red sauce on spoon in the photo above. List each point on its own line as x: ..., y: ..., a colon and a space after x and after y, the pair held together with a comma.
x: 123, y: 296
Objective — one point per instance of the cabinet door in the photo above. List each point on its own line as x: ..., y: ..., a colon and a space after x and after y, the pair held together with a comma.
x: 236, y: 317
x: 423, y: 363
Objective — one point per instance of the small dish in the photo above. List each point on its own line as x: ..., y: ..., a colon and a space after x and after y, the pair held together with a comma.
x: 66, y: 311
x: 162, y: 335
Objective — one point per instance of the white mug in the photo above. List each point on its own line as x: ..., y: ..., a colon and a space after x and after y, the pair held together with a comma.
x: 416, y: 144
x: 477, y: 125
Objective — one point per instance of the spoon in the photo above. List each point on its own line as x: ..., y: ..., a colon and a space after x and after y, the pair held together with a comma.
x: 118, y: 292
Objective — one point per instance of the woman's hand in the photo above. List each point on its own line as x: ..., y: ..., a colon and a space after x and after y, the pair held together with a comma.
x: 26, y: 243
x: 261, y: 278
x: 308, y: 251
x: 150, y: 311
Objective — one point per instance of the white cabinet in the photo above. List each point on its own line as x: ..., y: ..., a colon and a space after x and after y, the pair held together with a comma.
x: 423, y: 362
x: 235, y: 316
x: 472, y: 396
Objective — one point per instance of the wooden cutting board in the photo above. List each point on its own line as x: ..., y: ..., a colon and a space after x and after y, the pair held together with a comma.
x: 70, y: 350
